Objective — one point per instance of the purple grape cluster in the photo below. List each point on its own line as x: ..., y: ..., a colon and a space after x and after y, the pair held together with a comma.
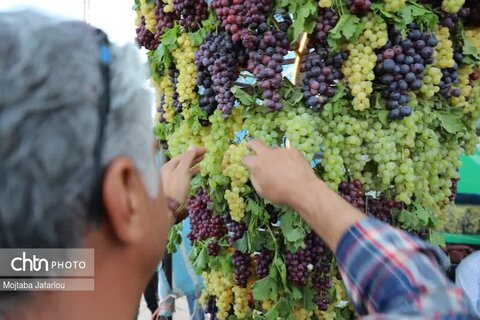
x: 327, y: 20
x: 359, y: 6
x: 241, y: 266
x: 236, y: 230
x: 472, y: 13
x: 321, y: 258
x: 191, y: 13
x: 352, y: 192
x: 450, y: 77
x: 203, y: 222
x: 320, y: 75
x: 145, y: 38
x: 213, y: 249
x: 401, y: 66
x: 266, y: 64
x: 383, y: 208
x: 173, y: 74
x: 297, y: 266
x: 218, y: 62
x: 262, y: 263
x: 241, y: 18
x: 165, y: 20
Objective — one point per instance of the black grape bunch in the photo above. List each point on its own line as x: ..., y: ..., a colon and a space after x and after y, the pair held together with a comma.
x: 242, y: 18
x: 359, y: 7
x: 218, y: 62
x: 204, y: 223
x: 320, y: 70
x: 266, y: 64
x: 191, y: 13
x: 241, y: 268
x: 401, y: 67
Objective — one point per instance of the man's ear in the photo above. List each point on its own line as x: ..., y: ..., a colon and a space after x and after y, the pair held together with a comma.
x: 121, y: 198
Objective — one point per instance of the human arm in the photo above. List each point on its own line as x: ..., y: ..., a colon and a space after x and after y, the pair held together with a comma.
x: 385, y: 270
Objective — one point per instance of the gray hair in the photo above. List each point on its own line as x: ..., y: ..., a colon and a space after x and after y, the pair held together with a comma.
x: 50, y: 84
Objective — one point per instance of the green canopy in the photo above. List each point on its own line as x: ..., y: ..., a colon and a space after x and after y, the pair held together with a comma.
x: 470, y: 174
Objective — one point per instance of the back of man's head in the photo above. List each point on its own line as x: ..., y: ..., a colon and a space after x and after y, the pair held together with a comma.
x: 50, y: 88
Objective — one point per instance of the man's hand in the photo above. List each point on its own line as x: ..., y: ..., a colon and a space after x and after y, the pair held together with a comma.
x: 278, y: 174
x: 178, y: 172
x: 284, y: 177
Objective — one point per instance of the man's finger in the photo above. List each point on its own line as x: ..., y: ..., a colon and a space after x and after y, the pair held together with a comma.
x: 194, y: 171
x: 257, y: 146
x: 188, y: 158
x: 249, y: 162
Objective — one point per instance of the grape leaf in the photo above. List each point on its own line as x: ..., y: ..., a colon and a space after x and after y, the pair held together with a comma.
x: 244, y: 98
x: 196, y: 38
x: 451, y: 121
x: 416, y: 13
x: 169, y: 38
x: 265, y: 289
x: 348, y: 28
x: 292, y: 227
x: 305, y: 19
x: 200, y: 264
x: 242, y: 243
x: 470, y: 52
x: 307, y: 296
x: 163, y: 57
x: 383, y: 117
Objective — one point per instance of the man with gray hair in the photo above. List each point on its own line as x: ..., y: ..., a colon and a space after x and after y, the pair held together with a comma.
x: 77, y: 165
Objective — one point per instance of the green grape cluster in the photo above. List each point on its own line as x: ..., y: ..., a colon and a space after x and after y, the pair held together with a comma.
x: 241, y: 306
x: 463, y: 101
x: 325, y: 3
x: 394, y: 5
x: 443, y: 53
x: 164, y: 91
x: 452, y: 6
x: 301, y: 132
x: 220, y: 286
x: 261, y: 125
x: 358, y: 69
x: 184, y: 56
x: 431, y: 80
x: 237, y: 173
x: 147, y: 9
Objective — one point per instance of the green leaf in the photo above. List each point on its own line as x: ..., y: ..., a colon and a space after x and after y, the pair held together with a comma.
x: 196, y: 38
x: 470, y: 52
x: 451, y: 121
x: 163, y: 57
x: 242, y: 243
x: 348, y: 28
x: 416, y: 13
x: 304, y: 19
x: 383, y: 117
x: 200, y: 263
x: 244, y: 98
x: 307, y: 296
x: 169, y: 38
x: 265, y: 289
x: 295, y: 293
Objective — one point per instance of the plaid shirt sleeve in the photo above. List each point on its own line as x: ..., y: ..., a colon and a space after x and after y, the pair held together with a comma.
x: 390, y: 274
